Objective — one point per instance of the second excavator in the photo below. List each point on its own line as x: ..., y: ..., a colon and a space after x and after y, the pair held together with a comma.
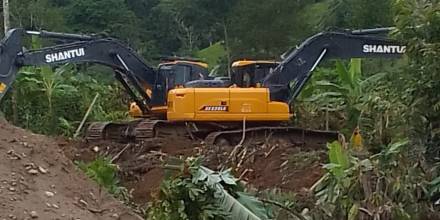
x: 181, y: 99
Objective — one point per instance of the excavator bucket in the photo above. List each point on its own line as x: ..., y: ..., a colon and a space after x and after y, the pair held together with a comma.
x: 10, y: 47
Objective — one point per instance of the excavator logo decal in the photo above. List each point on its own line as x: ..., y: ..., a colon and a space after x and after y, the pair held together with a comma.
x: 368, y: 48
x: 64, y: 55
x: 215, y: 108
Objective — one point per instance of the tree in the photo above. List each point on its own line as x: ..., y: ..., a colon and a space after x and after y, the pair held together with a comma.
x: 51, y: 84
x: 221, y: 11
x: 348, y: 93
x: 111, y: 17
x: 196, y: 23
x: 6, y: 16
x: 358, y: 14
x: 36, y: 15
x: 418, y: 23
x: 264, y: 28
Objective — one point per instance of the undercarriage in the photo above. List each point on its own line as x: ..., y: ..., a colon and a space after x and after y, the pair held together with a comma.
x: 219, y: 134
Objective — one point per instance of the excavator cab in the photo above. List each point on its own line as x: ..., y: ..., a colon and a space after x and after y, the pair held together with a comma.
x: 177, y: 71
x: 174, y: 72
x: 251, y: 73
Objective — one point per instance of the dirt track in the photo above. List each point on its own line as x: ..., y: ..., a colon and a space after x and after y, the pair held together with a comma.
x: 39, y: 182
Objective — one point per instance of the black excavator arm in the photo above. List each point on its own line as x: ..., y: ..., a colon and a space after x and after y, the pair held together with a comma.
x: 129, y: 68
x: 289, y: 78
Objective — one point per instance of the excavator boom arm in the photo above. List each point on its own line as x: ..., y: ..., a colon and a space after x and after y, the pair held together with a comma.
x: 129, y: 68
x: 288, y: 79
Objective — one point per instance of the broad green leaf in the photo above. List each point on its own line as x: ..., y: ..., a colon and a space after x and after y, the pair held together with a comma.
x: 395, y: 147
x: 211, y: 178
x: 228, y: 178
x: 338, y: 156
x: 354, y: 212
x: 355, y: 70
x: 344, y: 75
x: 324, y: 95
x: 372, y: 79
x: 331, y: 166
x: 253, y: 204
x: 326, y: 85
x: 244, y: 209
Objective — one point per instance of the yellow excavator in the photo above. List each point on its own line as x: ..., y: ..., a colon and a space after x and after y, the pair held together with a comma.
x: 243, y: 72
x: 179, y: 99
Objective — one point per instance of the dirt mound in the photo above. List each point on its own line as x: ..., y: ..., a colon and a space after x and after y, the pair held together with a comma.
x: 38, y: 181
x: 140, y: 165
x: 262, y: 165
x: 271, y: 165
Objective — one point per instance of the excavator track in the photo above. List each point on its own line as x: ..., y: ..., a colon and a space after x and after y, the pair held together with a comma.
x: 293, y: 135
x: 145, y: 129
x: 114, y: 131
x: 95, y: 131
x: 132, y: 131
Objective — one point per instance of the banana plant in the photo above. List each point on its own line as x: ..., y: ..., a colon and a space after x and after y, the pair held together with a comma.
x: 391, y: 184
x: 192, y: 191
x: 50, y: 82
x: 46, y: 80
x: 348, y: 92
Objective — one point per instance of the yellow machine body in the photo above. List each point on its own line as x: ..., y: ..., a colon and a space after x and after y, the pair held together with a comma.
x: 176, y: 62
x: 224, y: 104
x: 219, y: 104
x: 245, y: 63
x: 136, y: 112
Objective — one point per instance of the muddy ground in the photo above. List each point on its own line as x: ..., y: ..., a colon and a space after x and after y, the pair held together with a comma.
x: 37, y: 181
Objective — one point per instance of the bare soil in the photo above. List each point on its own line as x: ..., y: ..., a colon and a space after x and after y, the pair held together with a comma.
x: 140, y: 165
x: 271, y: 165
x: 37, y: 181
x: 260, y: 165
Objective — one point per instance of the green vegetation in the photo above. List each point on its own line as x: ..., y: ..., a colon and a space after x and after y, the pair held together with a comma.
x: 418, y: 24
x: 53, y: 101
x: 388, y: 101
x: 104, y: 173
x: 192, y: 191
x: 213, y: 54
x: 390, y: 185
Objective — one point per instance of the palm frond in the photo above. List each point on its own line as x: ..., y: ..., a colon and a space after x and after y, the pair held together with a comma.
x: 372, y: 79
x: 343, y: 73
x: 330, y: 85
x: 242, y: 206
x: 355, y: 69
